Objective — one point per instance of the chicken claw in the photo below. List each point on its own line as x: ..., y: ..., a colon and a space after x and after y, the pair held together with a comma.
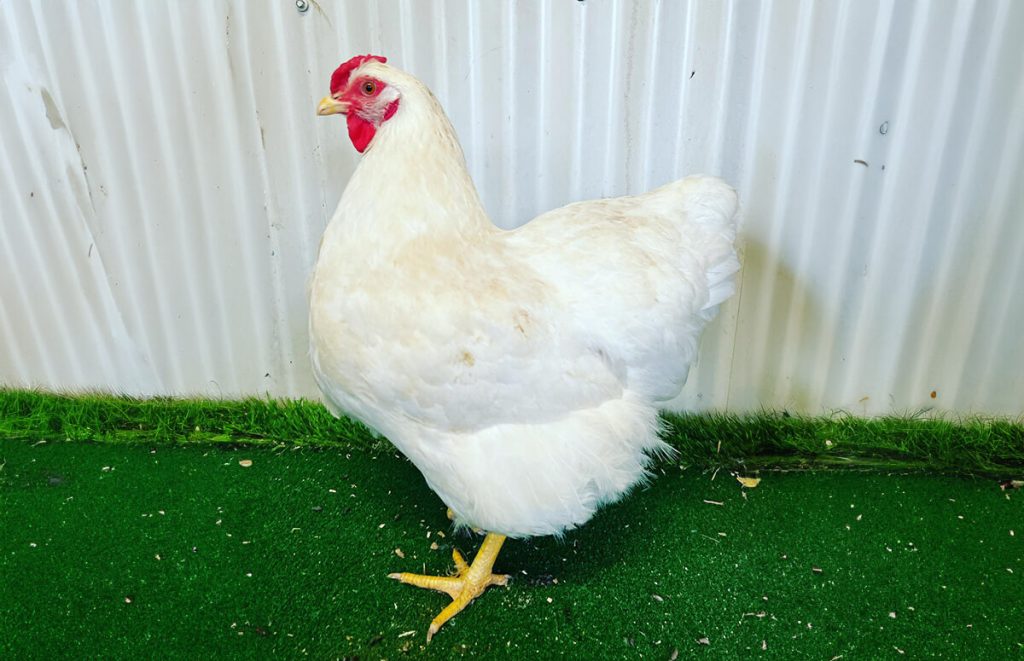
x: 468, y: 584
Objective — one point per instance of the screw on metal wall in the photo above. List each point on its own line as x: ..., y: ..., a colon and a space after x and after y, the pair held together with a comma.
x: 302, y: 6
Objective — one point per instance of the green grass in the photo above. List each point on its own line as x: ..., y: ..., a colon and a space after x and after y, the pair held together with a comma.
x: 967, y: 446
x: 129, y: 529
x: 31, y: 415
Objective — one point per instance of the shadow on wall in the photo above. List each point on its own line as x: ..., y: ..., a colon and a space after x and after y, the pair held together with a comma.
x: 775, y: 305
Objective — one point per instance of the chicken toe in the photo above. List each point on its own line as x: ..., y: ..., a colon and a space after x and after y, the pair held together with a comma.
x: 468, y: 584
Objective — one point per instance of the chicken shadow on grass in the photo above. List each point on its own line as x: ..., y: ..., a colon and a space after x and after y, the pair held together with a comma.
x: 647, y: 519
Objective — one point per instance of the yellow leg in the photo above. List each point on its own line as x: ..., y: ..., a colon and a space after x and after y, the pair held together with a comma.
x: 468, y: 584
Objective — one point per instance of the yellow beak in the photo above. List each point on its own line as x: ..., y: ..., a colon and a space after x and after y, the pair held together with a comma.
x: 331, y: 106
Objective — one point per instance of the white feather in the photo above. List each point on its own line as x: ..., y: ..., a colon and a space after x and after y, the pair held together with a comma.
x: 519, y: 371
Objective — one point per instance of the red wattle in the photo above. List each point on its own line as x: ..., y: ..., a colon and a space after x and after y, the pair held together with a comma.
x: 360, y: 132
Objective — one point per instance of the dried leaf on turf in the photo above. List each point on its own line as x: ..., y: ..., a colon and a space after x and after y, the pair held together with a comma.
x: 749, y: 482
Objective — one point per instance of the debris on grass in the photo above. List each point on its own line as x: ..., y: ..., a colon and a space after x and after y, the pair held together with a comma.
x: 400, y: 553
x: 407, y: 633
x: 703, y: 641
x: 1011, y: 485
x: 714, y: 502
x: 749, y: 482
x: 245, y: 463
x: 817, y: 570
x: 541, y: 580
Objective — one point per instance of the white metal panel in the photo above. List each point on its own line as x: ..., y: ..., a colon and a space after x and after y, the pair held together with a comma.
x: 164, y: 180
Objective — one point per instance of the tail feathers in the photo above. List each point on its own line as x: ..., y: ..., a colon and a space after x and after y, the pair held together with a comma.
x: 711, y: 214
x: 721, y: 283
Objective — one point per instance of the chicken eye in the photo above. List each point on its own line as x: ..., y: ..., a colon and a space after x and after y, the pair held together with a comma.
x: 369, y: 87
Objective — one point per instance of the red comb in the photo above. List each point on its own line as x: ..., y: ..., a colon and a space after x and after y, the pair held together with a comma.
x: 340, y: 76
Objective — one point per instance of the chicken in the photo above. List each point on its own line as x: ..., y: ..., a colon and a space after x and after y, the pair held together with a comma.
x: 521, y: 371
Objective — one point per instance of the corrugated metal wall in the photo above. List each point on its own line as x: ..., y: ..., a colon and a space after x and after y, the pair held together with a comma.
x: 164, y: 181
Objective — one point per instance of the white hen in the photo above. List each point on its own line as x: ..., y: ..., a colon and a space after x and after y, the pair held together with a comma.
x: 521, y: 371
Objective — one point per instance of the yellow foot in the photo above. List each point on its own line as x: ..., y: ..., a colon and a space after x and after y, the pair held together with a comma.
x: 468, y: 584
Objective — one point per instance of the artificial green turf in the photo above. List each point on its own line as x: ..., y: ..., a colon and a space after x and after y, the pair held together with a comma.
x: 157, y: 550
x: 269, y: 560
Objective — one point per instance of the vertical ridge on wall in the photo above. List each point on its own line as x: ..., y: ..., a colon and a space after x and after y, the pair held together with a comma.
x: 996, y: 378
x: 181, y: 185
x: 748, y: 127
x: 927, y: 221
x: 971, y: 158
x: 843, y: 278
x: 166, y: 180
